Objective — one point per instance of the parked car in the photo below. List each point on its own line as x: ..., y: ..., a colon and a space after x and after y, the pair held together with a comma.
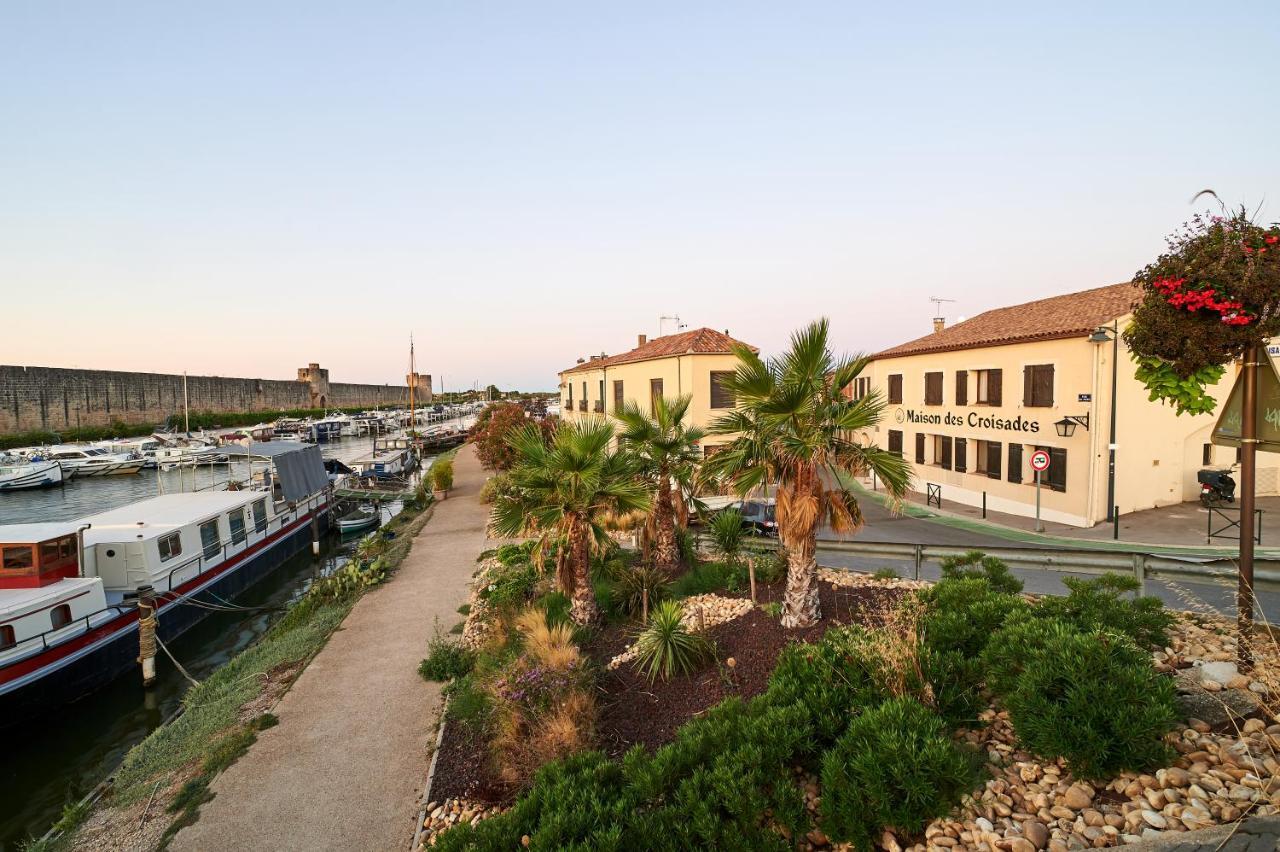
x: 760, y: 516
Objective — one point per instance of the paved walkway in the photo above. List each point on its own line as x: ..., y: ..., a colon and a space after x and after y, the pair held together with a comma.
x: 345, y: 766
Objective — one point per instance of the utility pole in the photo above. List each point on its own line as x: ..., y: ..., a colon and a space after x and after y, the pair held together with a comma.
x: 1248, y: 484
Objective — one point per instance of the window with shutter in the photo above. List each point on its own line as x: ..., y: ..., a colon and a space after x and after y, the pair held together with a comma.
x: 993, y: 459
x: 933, y: 389
x: 919, y: 448
x: 942, y: 451
x: 1037, y: 386
x: 995, y: 387
x: 962, y: 452
x: 895, y: 389
x: 619, y: 401
x: 1056, y: 476
x: 655, y: 394
x: 721, y: 397
x: 895, y: 441
x: 1015, y: 462
x: 962, y: 387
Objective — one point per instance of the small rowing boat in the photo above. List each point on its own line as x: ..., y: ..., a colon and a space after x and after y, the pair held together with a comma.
x: 361, y: 518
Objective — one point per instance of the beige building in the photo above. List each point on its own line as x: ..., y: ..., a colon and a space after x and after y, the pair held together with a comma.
x: 970, y: 403
x: 691, y: 362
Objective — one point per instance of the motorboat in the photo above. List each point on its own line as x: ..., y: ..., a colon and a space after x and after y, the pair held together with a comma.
x: 20, y: 474
x: 362, y: 518
x: 391, y: 456
x: 92, y: 461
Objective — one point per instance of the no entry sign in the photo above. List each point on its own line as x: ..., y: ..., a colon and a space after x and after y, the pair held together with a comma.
x: 1039, y: 461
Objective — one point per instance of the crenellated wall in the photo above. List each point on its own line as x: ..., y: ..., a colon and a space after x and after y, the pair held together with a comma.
x: 52, y: 398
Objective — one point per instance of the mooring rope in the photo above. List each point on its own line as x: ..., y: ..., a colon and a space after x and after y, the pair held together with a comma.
x: 174, y: 659
x: 147, y: 636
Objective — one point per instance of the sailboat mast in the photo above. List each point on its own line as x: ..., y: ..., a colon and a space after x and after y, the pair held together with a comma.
x: 413, y: 380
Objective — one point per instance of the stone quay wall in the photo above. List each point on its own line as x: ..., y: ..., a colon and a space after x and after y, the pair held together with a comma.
x: 54, y: 399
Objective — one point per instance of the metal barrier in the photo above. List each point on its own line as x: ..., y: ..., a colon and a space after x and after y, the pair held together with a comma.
x: 933, y: 497
x: 1230, y: 523
x: 1192, y: 568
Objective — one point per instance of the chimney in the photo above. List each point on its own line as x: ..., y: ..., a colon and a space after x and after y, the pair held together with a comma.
x: 939, y: 323
x: 642, y: 340
x: 582, y: 360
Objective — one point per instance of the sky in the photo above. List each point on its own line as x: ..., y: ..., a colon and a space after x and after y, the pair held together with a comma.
x: 242, y: 188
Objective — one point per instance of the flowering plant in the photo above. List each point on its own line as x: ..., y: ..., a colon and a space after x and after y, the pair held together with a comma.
x: 1211, y: 296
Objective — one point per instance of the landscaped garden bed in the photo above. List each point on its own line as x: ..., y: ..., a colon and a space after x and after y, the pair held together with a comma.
x: 1198, y: 773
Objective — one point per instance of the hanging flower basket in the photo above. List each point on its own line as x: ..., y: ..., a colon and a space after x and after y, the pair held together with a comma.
x: 1214, y: 294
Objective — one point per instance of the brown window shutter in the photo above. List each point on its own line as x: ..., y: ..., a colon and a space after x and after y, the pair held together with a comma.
x: 993, y: 459
x: 1028, y: 385
x: 962, y: 452
x: 1044, y: 385
x: 919, y: 448
x: 720, y: 397
x: 619, y: 400
x: 895, y: 441
x: 962, y: 387
x: 995, y: 389
x: 1057, y: 472
x: 946, y: 451
x: 1015, y: 462
x: 895, y: 389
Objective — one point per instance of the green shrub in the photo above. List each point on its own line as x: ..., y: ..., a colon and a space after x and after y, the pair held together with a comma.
x: 442, y: 474
x: 580, y: 803
x: 727, y: 534
x: 468, y: 703
x: 511, y: 586
x: 976, y: 565
x: 515, y: 554
x: 886, y: 573
x: 709, y: 787
x: 895, y: 767
x: 830, y: 680
x: 704, y: 578
x: 1096, y: 700
x: 956, y: 683
x: 665, y: 647
x: 631, y: 585
x: 1010, y: 647
x: 771, y: 567
x: 961, y: 615
x: 494, y: 487
x: 687, y: 543
x: 445, y: 660
x: 1099, y: 604
x: 773, y: 609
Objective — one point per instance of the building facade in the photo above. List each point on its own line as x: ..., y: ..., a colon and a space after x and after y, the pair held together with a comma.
x: 692, y: 362
x: 969, y: 404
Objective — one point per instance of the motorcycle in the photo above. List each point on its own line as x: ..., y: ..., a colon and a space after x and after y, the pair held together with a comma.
x: 1216, y: 486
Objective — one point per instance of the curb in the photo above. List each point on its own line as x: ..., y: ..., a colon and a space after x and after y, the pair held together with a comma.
x: 431, y: 776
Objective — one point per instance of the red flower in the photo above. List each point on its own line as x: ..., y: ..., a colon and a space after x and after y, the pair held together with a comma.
x: 1273, y: 239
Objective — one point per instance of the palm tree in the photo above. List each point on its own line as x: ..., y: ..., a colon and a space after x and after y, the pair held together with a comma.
x: 666, y: 448
x: 561, y: 489
x: 796, y: 427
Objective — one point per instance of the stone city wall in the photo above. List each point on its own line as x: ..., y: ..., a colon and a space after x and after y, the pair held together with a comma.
x: 49, y: 398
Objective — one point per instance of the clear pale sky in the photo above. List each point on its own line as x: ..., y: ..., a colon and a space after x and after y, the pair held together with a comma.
x: 242, y: 188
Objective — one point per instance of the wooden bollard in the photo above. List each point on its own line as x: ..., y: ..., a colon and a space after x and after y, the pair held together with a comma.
x: 644, y: 604
x: 751, y: 573
x: 147, y: 633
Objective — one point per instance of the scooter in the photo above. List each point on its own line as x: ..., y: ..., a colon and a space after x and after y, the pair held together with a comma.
x: 1216, y: 486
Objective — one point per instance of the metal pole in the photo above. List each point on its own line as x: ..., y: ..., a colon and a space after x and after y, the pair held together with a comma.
x: 984, y: 505
x: 1039, y: 526
x: 1115, y: 522
x: 1111, y: 448
x: 1248, y: 471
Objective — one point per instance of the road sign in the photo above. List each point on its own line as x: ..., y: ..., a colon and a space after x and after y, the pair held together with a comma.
x: 1039, y: 461
x: 1229, y: 428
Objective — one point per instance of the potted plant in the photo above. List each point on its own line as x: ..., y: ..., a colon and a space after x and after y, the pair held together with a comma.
x: 442, y: 478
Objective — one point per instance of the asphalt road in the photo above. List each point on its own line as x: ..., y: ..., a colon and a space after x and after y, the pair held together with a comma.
x: 881, y: 526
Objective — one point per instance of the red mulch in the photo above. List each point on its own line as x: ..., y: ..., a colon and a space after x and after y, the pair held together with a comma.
x: 634, y: 711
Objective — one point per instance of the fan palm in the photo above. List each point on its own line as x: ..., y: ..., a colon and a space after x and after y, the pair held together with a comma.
x: 561, y: 490
x: 796, y: 427
x: 666, y: 448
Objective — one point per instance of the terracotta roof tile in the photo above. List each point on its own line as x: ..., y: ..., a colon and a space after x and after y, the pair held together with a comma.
x: 1045, y: 319
x: 701, y: 341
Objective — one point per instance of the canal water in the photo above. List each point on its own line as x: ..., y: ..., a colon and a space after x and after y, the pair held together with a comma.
x: 66, y: 754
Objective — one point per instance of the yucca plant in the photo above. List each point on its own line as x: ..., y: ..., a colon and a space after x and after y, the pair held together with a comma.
x: 666, y: 647
x: 727, y: 535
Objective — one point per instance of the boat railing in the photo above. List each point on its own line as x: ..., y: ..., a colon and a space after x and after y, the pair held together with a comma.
x: 40, y: 643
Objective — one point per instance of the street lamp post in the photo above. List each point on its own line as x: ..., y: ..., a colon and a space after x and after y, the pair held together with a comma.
x: 1101, y: 335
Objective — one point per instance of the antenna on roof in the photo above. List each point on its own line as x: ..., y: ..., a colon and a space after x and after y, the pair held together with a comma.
x: 673, y: 318
x: 939, y: 321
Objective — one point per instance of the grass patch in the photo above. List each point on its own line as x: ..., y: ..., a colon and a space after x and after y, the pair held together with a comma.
x: 211, y: 734
x: 465, y: 609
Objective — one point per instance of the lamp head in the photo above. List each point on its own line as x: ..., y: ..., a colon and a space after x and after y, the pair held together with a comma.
x: 1065, y: 427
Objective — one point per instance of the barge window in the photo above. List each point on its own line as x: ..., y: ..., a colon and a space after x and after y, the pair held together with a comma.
x: 235, y: 521
x: 60, y: 616
x: 19, y: 558
x: 170, y: 546
x: 209, y: 538
x: 260, y: 515
x: 7, y: 637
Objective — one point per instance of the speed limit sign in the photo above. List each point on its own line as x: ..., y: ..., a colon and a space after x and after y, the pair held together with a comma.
x: 1039, y: 461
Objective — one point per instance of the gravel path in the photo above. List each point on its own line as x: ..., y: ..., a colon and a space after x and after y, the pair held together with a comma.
x: 345, y: 767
